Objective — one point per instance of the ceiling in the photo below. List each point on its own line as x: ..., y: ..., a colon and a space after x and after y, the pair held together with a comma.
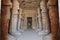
x: 29, y: 3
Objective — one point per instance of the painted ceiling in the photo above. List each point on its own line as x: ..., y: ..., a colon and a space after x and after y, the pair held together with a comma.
x: 29, y: 3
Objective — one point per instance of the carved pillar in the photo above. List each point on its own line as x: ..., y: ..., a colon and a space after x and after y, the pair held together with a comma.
x: 19, y: 20
x: 45, y: 21
x: 40, y: 20
x: 14, y: 21
x: 5, y: 19
x: 53, y: 13
x: 37, y: 20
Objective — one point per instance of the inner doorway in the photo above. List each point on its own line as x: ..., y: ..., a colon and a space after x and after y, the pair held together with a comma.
x: 29, y: 22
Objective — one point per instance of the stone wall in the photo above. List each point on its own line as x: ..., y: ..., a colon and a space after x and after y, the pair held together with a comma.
x: 59, y: 20
x: 0, y: 6
x: 59, y: 9
x: 30, y: 13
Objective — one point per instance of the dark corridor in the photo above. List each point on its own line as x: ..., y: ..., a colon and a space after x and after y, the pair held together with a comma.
x: 29, y: 22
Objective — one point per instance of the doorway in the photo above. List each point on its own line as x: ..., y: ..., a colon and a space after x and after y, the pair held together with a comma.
x: 29, y: 22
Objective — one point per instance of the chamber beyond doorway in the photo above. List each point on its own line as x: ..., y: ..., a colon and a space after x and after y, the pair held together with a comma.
x: 29, y: 22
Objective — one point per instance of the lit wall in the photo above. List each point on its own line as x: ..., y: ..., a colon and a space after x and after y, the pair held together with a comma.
x: 59, y: 9
x: 0, y: 6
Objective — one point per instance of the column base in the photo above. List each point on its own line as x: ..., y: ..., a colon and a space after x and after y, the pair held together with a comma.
x: 43, y: 33
x: 20, y: 30
x: 16, y: 34
x: 10, y: 37
x: 38, y: 30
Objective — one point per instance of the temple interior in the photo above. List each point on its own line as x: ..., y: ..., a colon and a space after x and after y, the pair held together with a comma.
x: 29, y: 19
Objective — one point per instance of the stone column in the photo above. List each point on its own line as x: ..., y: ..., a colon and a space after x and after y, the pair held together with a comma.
x: 39, y: 20
x: 53, y: 13
x: 33, y: 23
x: 19, y: 20
x: 36, y: 16
x: 6, y: 2
x: 4, y: 24
x: 45, y: 21
x: 5, y: 19
x: 14, y: 21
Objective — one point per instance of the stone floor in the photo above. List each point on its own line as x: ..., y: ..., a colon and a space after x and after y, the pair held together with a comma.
x: 30, y: 35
